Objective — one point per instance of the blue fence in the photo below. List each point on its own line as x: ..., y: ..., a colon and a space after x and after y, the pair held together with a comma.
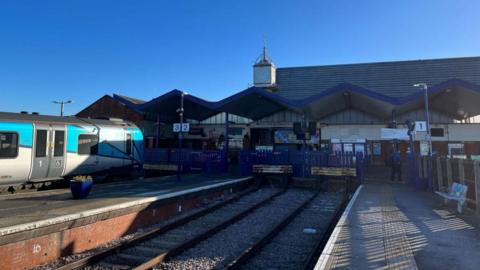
x: 302, y: 161
x: 215, y: 161
x: 204, y: 161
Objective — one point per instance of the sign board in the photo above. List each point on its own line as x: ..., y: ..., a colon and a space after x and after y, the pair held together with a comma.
x: 394, y: 133
x: 181, y: 127
x: 348, y: 140
x: 377, y: 149
x: 348, y: 147
x: 420, y: 126
x: 424, y: 148
x: 264, y: 148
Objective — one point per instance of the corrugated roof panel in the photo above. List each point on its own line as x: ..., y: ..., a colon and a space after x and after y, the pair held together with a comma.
x: 394, y: 79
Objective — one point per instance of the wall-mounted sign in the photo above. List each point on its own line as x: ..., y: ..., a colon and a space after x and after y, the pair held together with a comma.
x: 377, y: 149
x: 348, y: 147
x: 424, y: 148
x: 420, y: 126
x: 181, y: 127
x: 394, y: 133
x: 264, y: 148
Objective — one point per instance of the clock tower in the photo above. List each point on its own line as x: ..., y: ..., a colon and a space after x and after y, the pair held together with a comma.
x: 264, y: 71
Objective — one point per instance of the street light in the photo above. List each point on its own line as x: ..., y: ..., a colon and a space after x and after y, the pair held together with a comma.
x: 424, y: 86
x: 180, y: 135
x: 62, y: 105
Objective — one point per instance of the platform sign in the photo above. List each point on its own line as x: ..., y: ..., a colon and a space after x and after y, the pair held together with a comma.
x: 177, y: 127
x: 394, y: 133
x: 420, y: 126
x: 424, y: 148
x: 181, y: 127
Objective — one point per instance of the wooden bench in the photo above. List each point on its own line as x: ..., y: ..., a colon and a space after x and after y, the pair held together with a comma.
x: 272, y: 169
x: 262, y: 170
x: 345, y: 172
x: 333, y: 171
x: 160, y: 167
x: 458, y: 192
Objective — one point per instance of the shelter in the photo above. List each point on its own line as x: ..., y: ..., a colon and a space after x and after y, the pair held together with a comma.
x: 341, y: 103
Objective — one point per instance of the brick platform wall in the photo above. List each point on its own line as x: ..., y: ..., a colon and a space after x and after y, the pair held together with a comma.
x: 46, y: 244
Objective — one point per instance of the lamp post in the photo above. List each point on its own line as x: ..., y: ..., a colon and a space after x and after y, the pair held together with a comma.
x: 424, y: 86
x: 62, y: 105
x: 180, y: 136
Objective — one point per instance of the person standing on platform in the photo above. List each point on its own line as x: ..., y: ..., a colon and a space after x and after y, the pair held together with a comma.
x: 396, y: 165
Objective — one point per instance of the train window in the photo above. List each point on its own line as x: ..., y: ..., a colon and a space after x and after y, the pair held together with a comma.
x: 59, y: 143
x: 129, y: 144
x: 41, y: 143
x: 8, y: 145
x: 87, y: 144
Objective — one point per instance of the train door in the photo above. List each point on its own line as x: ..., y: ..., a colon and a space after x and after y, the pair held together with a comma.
x: 49, y: 152
x: 129, y: 147
x: 56, y: 151
x: 40, y: 153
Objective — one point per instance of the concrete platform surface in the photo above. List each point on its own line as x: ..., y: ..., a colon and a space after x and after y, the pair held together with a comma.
x: 23, y: 209
x: 393, y: 226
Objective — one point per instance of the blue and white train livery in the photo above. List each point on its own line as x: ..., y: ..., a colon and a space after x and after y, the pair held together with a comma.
x: 36, y: 148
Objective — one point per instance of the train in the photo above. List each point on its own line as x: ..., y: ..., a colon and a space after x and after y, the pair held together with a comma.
x: 37, y: 148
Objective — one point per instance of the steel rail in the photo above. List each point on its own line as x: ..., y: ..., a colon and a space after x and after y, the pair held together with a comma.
x: 251, y: 250
x: 97, y: 257
x: 202, y: 236
x: 315, y: 252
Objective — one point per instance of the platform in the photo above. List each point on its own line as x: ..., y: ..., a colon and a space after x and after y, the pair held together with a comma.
x: 393, y: 226
x: 39, y: 227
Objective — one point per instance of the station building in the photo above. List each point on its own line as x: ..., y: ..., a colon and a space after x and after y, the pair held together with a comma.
x: 343, y: 108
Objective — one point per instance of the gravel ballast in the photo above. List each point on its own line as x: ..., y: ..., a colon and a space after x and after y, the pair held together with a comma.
x: 227, y: 244
x: 171, y: 238
x: 205, y: 204
x: 291, y: 247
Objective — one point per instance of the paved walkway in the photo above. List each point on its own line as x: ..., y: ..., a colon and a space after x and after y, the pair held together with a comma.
x: 392, y: 226
x: 24, y: 208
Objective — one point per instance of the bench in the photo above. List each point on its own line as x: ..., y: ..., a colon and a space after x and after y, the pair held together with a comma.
x: 458, y: 192
x: 272, y: 169
x: 333, y: 171
x: 265, y: 169
x: 161, y: 167
x: 346, y: 172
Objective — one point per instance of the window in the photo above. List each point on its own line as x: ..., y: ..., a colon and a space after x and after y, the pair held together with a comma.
x: 87, y: 144
x: 8, y: 145
x: 41, y: 143
x: 437, y: 132
x: 129, y: 144
x: 59, y: 143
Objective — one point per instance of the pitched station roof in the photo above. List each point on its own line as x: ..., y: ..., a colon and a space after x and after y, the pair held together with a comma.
x: 394, y: 79
x: 373, y: 88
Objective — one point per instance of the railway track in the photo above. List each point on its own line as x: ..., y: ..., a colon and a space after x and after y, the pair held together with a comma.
x: 247, y: 231
x: 170, y: 239
x: 290, y: 247
x: 219, y: 250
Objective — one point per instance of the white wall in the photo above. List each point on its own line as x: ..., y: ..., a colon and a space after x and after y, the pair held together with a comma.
x: 369, y: 132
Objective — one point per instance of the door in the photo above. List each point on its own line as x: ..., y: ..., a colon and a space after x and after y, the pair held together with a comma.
x: 40, y: 154
x: 57, y: 151
x: 129, y: 147
x: 49, y: 153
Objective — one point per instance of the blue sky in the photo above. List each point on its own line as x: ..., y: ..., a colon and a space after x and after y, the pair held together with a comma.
x: 82, y: 50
